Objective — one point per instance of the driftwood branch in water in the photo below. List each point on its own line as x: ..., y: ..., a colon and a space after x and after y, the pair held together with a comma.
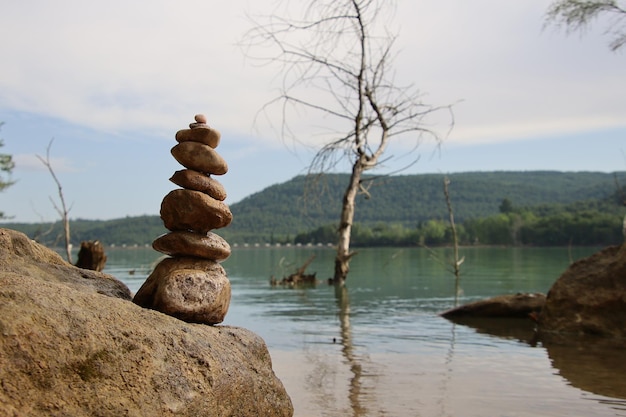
x: 299, y: 277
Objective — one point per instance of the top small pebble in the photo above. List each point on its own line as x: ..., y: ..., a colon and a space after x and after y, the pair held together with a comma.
x: 200, y: 118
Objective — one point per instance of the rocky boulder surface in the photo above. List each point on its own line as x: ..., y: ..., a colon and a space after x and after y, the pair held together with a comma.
x: 590, y: 297
x: 73, y: 344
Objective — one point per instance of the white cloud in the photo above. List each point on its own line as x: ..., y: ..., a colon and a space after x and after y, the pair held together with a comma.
x: 121, y: 65
x: 31, y: 162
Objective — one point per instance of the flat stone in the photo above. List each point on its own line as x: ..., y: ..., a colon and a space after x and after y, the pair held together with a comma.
x: 204, y: 135
x: 193, y: 211
x: 207, y: 246
x: 194, y: 180
x: 190, y: 289
x: 199, y: 157
x: 520, y: 305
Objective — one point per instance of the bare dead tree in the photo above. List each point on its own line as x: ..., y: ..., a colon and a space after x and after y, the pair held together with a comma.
x: 456, y: 262
x: 454, y: 265
x: 336, y: 64
x: 63, y: 210
x: 576, y: 15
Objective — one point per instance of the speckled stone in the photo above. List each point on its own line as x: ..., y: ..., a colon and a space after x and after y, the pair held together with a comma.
x: 188, y: 210
x: 190, y: 289
x: 209, y: 246
x: 199, y: 157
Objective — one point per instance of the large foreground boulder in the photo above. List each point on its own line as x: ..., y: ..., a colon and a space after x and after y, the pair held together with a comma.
x: 73, y: 344
x: 590, y: 297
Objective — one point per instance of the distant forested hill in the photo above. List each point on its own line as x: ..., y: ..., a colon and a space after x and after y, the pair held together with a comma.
x: 282, y: 211
x: 139, y: 230
x: 285, y: 209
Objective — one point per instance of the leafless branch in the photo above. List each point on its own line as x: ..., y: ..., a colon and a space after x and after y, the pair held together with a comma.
x: 576, y: 16
x: 336, y: 61
x: 63, y: 210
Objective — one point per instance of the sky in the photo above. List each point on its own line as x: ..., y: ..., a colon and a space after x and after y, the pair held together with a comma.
x: 104, y: 86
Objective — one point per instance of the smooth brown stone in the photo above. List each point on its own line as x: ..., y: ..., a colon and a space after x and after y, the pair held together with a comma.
x: 188, y: 210
x: 199, y: 157
x: 194, y: 180
x: 190, y: 289
x: 200, y: 118
x: 204, y: 135
x: 206, y: 246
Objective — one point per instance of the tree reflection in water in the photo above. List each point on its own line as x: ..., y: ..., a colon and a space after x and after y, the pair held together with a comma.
x: 343, y: 302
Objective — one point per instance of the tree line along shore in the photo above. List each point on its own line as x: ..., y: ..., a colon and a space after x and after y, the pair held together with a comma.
x: 540, y: 208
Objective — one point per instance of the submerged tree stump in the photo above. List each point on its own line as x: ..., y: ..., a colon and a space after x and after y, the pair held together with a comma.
x: 91, y: 256
x: 297, y: 278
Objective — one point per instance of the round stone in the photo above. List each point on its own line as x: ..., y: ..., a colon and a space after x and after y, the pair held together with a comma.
x: 206, y: 246
x: 199, y: 157
x: 200, y: 118
x: 188, y: 210
x: 205, y: 135
x: 194, y: 180
x: 190, y: 289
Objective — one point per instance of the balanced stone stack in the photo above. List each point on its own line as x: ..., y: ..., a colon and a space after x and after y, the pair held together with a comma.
x: 191, y: 284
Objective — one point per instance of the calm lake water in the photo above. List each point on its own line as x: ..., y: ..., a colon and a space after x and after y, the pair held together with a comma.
x: 379, y: 348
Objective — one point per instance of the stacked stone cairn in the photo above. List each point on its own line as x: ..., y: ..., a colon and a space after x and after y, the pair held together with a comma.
x: 191, y: 284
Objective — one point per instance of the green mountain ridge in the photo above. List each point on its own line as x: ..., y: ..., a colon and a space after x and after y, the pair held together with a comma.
x: 281, y: 211
x: 285, y: 209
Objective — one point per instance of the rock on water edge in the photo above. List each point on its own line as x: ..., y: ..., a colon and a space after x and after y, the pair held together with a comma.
x: 589, y: 298
x: 68, y: 350
x: 520, y: 305
x: 205, y: 135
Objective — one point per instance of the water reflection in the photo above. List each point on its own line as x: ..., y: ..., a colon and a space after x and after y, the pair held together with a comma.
x: 354, y: 392
x: 587, y: 363
x: 394, y: 355
x: 522, y: 330
x: 590, y: 364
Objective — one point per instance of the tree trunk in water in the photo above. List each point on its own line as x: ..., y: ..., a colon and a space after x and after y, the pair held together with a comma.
x: 342, y: 260
x: 66, y: 233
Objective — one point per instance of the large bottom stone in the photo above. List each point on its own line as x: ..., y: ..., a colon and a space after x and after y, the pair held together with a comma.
x: 190, y: 289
